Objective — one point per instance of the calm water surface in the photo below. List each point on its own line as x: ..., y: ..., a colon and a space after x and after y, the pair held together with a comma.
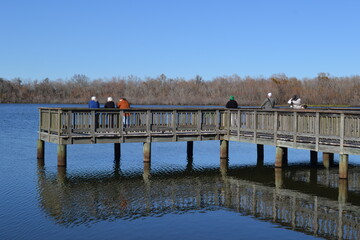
x: 96, y: 198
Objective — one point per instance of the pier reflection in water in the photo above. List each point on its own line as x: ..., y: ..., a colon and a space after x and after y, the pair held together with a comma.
x: 313, y: 201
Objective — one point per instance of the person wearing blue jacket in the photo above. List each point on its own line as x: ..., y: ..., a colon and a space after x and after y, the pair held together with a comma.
x: 94, y: 103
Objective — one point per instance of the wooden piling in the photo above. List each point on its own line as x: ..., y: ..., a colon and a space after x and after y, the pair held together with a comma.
x: 278, y: 178
x: 313, y: 158
x: 224, y: 149
x: 40, y: 149
x: 147, y: 151
x: 260, y: 155
x: 61, y: 152
x: 189, y: 149
x: 281, y: 156
x: 343, y: 166
x: 61, y: 174
x: 224, y: 166
x: 343, y: 190
x: 328, y: 159
x: 117, y: 151
x: 146, y: 172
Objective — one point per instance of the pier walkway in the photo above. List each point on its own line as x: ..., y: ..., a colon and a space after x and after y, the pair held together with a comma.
x: 326, y: 131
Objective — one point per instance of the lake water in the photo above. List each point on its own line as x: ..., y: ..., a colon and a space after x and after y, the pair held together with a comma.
x: 97, y: 198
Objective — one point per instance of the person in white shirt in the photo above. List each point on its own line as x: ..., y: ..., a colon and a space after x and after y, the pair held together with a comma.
x: 295, y: 102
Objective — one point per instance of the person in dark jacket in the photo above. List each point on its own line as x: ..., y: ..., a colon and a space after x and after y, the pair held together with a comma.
x: 231, y: 103
x: 94, y: 103
x: 110, y: 103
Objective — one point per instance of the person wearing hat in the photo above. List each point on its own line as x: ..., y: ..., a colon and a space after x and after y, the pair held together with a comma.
x: 269, y: 102
x: 231, y: 103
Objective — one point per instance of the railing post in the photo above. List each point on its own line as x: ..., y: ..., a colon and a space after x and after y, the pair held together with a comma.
x: 93, y: 127
x: 148, y: 124
x: 218, y: 123
x: 173, y: 123
x: 69, y: 125
x: 295, y: 130
x: 255, y: 126
x: 228, y: 123
x: 199, y: 123
x: 317, y: 131
x: 275, y: 126
x: 342, y: 132
x: 238, y: 122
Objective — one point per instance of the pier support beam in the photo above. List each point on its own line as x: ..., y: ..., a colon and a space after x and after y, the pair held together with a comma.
x: 40, y: 149
x: 61, y: 175
x: 343, y: 190
x: 260, y: 155
x: 147, y: 151
x: 189, y: 149
x: 313, y: 158
x: 61, y: 154
x: 328, y: 159
x: 343, y: 166
x: 117, y: 151
x: 281, y: 156
x: 146, y: 172
x: 224, y: 149
x: 224, y: 166
x: 279, y: 178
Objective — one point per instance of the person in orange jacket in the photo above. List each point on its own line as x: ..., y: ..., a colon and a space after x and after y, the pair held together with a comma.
x: 124, y: 104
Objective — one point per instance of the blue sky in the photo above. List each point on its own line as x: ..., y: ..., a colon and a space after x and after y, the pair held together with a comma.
x: 181, y: 39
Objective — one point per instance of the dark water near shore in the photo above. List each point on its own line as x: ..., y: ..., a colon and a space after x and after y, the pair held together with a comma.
x: 96, y: 198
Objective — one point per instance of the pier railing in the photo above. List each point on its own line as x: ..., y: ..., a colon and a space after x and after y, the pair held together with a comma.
x: 318, y: 130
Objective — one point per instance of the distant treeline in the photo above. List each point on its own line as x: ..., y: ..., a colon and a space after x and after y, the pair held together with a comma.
x: 249, y: 91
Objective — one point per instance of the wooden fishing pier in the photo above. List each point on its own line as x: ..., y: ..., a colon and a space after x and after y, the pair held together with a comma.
x: 326, y: 131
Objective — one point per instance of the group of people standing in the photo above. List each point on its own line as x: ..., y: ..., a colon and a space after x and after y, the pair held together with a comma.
x: 269, y: 102
x: 122, y: 103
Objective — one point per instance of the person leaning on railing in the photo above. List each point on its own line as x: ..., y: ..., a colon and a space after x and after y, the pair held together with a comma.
x: 231, y: 103
x: 295, y: 102
x: 124, y: 104
x: 269, y: 102
x: 110, y: 103
x: 94, y: 103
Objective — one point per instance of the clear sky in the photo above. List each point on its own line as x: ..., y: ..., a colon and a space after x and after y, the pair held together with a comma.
x: 179, y: 38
